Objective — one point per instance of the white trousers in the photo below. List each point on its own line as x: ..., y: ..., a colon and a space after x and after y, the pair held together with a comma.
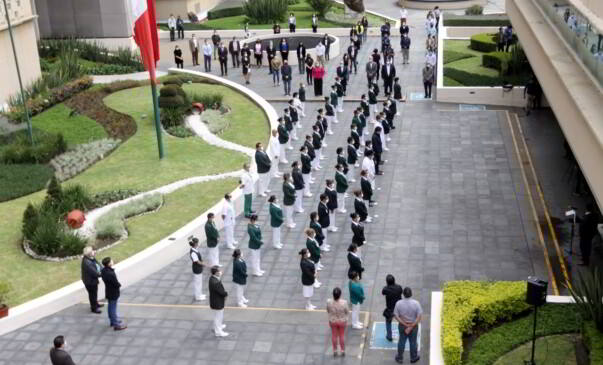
x: 303, y: 107
x: 264, y: 180
x: 314, y: 162
x: 229, y: 235
x: 299, y: 200
x: 289, y: 214
x: 340, y: 104
x: 293, y: 133
x: 274, y: 167
x: 197, y: 286
x: 276, y: 236
x: 282, y: 155
x: 325, y: 232
x: 306, y: 183
x: 318, y: 155
x: 355, y: 314
x: 332, y: 219
x: 214, y: 255
x: 255, y: 261
x: 218, y: 319
x: 240, y: 291
x: 341, y: 201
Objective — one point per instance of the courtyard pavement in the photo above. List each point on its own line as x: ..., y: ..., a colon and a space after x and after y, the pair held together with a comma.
x: 449, y: 209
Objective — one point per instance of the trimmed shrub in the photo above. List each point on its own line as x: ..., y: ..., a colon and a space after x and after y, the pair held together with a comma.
x: 107, y: 197
x: 108, y: 69
x: 483, y: 42
x: 22, y: 152
x: 497, y: 60
x: 72, y: 162
x: 169, y: 90
x: 172, y: 117
x: 111, y: 224
x: 224, y: 13
x: 120, y: 85
x: 474, y: 10
x: 180, y: 132
x: 265, y: 11
x: 451, y: 56
x: 471, y: 303
x: 469, y: 79
x: 22, y: 179
x: 476, y: 21
x: 209, y: 101
x: 322, y: 7
x: 172, y: 80
x: 593, y: 339
x: 31, y: 218
x: 52, y: 238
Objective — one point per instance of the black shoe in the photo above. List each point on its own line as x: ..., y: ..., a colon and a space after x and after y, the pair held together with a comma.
x: 252, y: 212
x: 99, y: 305
x: 415, y: 360
x: 389, y: 339
x: 120, y: 327
x: 399, y: 360
x: 97, y: 311
x: 247, y: 216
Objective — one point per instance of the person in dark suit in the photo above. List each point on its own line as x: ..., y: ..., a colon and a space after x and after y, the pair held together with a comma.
x: 239, y: 277
x: 588, y: 230
x: 320, y: 237
x: 323, y: 215
x: 264, y: 164
x: 308, y: 277
x: 306, y: 169
x: 331, y: 204
x: 223, y: 58
x: 377, y: 149
x: 358, y: 230
x: 360, y: 207
x: 367, y: 188
x: 388, y: 72
x: 286, y: 74
x: 90, y: 275
x: 299, y: 184
x: 393, y: 293
x: 372, y: 69
x: 112, y: 293
x: 353, y: 53
x: 301, y: 57
x: 58, y: 355
x: 217, y: 298
x: 354, y: 261
x: 352, y: 153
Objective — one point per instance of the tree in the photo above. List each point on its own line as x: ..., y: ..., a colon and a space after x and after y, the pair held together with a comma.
x: 322, y: 7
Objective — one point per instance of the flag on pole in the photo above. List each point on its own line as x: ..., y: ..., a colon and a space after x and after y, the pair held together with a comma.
x: 145, y: 33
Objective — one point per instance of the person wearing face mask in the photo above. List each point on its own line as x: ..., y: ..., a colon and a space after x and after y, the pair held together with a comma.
x: 58, y: 355
x: 90, y: 274
x: 308, y: 277
x: 217, y: 299
x: 112, y: 293
x: 239, y: 277
x: 255, y: 245
x: 178, y: 57
x: 276, y: 221
x: 388, y: 72
x: 289, y: 196
x: 428, y: 77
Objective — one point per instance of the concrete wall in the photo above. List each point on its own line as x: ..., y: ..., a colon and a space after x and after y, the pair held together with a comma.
x: 596, y: 6
x: 84, y: 18
x: 27, y: 53
x: 181, y: 7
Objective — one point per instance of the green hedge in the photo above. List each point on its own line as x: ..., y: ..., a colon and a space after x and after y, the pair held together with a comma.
x: 470, y: 303
x: 497, y: 60
x: 21, y: 151
x: 552, y: 319
x: 468, y: 78
x: 451, y: 20
x: 483, y: 42
x: 224, y: 13
x: 593, y: 339
x: 451, y: 56
x: 22, y: 179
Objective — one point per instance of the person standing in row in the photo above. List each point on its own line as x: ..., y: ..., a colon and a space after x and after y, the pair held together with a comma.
x: 292, y: 23
x: 255, y: 245
x: 91, y: 271
x: 276, y: 221
x: 301, y: 57
x: 197, y: 266
x: 172, y: 27
x: 306, y: 169
x: 178, y: 57
x: 298, y: 183
x: 392, y: 293
x: 366, y: 187
x: 360, y: 207
x: 324, y: 216
x: 352, y: 153
x: 388, y: 72
x: 327, y: 42
x: 228, y: 217
x: 356, y: 298
x: 212, y: 235
x: 258, y: 53
x: 246, y: 68
x: 215, y: 39
x: 180, y: 27
x: 239, y: 277
x: 341, y: 186
x: 428, y: 78
x: 274, y: 154
x: 288, y: 199
x: 314, y: 23
x: 313, y: 247
x: 308, y: 277
x: 283, y: 139
x: 217, y: 300
x: 331, y: 204
x: 207, y: 52
x: 284, y: 49
x: 368, y: 165
x: 358, y: 238
x: 247, y: 185
x: 341, y: 160
x: 193, y: 45
x: 275, y: 67
x: 408, y: 313
x: 234, y: 47
x: 286, y: 74
x: 270, y: 55
x: 377, y: 141
x: 58, y: 355
x: 223, y: 58
x: 263, y: 163
x: 337, y: 310
x: 372, y: 68
x: 112, y: 293
x: 309, y: 62
x: 318, y: 73
x: 319, y: 52
x: 405, y: 45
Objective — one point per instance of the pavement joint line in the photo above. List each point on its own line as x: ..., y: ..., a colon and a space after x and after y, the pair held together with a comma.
x: 532, y: 205
x: 364, y: 337
x: 544, y: 205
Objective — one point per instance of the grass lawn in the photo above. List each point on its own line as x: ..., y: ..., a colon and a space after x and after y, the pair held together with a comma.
x: 451, y: 82
x: 76, y: 129
x: 460, y: 45
x: 32, y: 278
x: 551, y: 350
x: 303, y: 14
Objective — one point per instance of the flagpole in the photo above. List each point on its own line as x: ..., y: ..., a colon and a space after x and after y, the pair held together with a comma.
x: 157, y: 120
x: 23, y: 100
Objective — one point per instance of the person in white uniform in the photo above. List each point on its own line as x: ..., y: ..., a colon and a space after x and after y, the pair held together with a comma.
x: 369, y: 165
x: 247, y: 185
x: 228, y: 216
x: 274, y: 152
x: 197, y: 269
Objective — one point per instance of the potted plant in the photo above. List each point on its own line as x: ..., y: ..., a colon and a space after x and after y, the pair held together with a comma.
x: 4, y: 290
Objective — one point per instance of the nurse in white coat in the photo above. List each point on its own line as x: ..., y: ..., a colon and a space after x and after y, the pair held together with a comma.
x: 228, y: 216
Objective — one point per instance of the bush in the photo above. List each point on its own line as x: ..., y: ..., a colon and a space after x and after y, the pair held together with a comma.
x: 172, y: 80
x: 22, y: 179
x: 474, y: 10
x: 180, y: 131
x: 108, y: 69
x: 224, y: 13
x: 172, y: 117
x: 170, y: 90
x: 111, y: 224
x: 31, y: 218
x: 216, y: 123
x: 21, y: 151
x: 593, y: 339
x: 471, y: 303
x: 91, y: 51
x: 497, y: 60
x: 588, y: 293
x: 72, y: 162
x: 471, y: 79
x: 210, y: 101
x: 52, y: 238
x: 107, y: 197
x: 451, y: 56
x: 265, y: 11
x: 483, y: 42
x: 322, y: 7
x: 5, y: 289
x: 451, y: 20
x: 120, y: 85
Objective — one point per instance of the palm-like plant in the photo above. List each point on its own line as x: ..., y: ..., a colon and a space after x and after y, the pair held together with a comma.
x: 588, y: 295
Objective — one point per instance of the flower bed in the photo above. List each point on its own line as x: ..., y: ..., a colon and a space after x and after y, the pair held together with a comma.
x: 71, y: 163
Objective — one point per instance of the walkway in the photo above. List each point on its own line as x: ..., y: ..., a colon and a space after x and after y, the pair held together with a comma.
x: 447, y: 211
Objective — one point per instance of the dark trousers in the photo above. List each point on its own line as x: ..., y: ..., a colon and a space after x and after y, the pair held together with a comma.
x: 388, y: 328
x: 92, y: 296
x: 258, y: 60
x: 224, y: 67
x: 292, y: 28
x: 172, y: 34
x: 301, y: 66
x: 180, y: 64
x: 377, y: 160
x: 236, y: 62
x: 412, y: 339
x: 309, y: 77
x: 500, y: 47
x: 354, y: 64
x: 507, y: 45
x: 427, y: 86
x: 585, y: 248
x: 207, y: 63
x: 180, y: 33
x: 387, y: 85
x: 195, y: 55
x: 314, y: 28
x: 370, y: 80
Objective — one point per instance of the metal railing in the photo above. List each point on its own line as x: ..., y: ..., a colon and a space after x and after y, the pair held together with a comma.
x: 579, y: 33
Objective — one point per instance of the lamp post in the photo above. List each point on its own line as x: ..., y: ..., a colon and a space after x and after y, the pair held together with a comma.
x: 12, y: 42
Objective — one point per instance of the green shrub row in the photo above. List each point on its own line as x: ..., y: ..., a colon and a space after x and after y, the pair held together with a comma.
x: 451, y: 56
x: 593, y: 339
x: 180, y: 131
x: 451, y: 20
x: 468, y: 78
x: 22, y: 179
x: 91, y: 51
x: 224, y: 13
x: 209, y: 101
x: 265, y: 11
x: 470, y: 303
x: 108, y: 69
x: 111, y: 224
x: 21, y: 151
x: 106, y: 197
x: 497, y: 60
x: 483, y: 42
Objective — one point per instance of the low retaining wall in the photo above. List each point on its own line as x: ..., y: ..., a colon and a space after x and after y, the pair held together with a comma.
x: 334, y: 49
x: 147, y: 261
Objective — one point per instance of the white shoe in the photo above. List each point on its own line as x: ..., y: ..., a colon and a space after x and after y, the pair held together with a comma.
x: 325, y: 145
x: 357, y: 165
x: 284, y: 161
x: 321, y: 158
x: 325, y: 249
x: 222, y: 334
x: 346, y: 194
x: 376, y: 216
x: 378, y: 188
x: 318, y: 268
x: 329, y: 132
x: 257, y: 274
x: 295, y: 139
x: 384, y: 161
x: 278, y: 174
x: 368, y: 220
x: 202, y: 297
x: 299, y: 125
x: 223, y: 326
x: 375, y: 203
x: 299, y: 211
x: 262, y: 272
x: 278, y: 247
x: 263, y: 194
x: 291, y: 225
x: 242, y: 305
x: 317, y: 284
x: 219, y: 265
x: 310, y: 307
x: 386, y: 149
x: 235, y: 243
x: 245, y: 300
x: 332, y: 229
x: 342, y: 210
x: 388, y: 139
x: 289, y: 148
x: 308, y: 195
x: 268, y: 190
x: 398, y: 113
x: 357, y: 327
x: 230, y: 247
x: 353, y: 180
